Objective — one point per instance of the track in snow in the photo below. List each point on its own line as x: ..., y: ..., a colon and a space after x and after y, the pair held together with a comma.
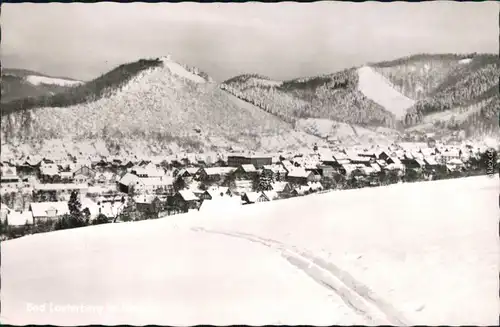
x: 357, y: 296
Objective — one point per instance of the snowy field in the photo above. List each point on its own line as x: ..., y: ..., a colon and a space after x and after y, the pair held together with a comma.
x: 407, y: 254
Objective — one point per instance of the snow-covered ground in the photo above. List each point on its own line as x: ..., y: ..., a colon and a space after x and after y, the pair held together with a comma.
x: 406, y: 254
x: 377, y: 88
x: 37, y: 80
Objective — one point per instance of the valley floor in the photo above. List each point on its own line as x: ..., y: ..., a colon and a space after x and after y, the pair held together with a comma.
x: 406, y: 254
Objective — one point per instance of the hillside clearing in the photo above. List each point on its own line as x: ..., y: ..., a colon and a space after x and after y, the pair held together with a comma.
x: 37, y: 80
x: 378, y: 89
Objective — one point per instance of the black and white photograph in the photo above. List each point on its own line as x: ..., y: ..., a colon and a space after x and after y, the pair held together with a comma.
x: 180, y: 164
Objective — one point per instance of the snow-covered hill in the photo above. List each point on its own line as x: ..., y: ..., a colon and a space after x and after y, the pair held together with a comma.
x: 151, y: 106
x: 406, y: 254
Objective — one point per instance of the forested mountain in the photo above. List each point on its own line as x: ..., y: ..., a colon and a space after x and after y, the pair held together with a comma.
x: 466, y: 99
x: 334, y: 96
x: 406, y: 93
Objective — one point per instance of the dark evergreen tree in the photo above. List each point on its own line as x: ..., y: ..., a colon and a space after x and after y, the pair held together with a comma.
x: 328, y: 183
x: 264, y: 181
x: 203, y: 186
x: 129, y: 212
x: 412, y: 175
x: 100, y: 219
x: 179, y: 184
x: 229, y: 180
x: 392, y: 177
x: 77, y: 218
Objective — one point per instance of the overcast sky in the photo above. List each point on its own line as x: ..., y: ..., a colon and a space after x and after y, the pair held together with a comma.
x: 281, y: 40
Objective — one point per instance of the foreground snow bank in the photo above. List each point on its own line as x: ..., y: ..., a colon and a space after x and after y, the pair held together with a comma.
x: 422, y: 253
x: 156, y: 272
x: 430, y: 249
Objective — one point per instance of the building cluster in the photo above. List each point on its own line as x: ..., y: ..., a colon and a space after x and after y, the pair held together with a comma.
x: 161, y: 186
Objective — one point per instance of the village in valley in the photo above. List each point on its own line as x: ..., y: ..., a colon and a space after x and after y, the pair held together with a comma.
x: 44, y: 194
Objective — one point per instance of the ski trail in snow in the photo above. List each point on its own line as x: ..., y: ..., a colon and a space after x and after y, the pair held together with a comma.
x: 357, y: 296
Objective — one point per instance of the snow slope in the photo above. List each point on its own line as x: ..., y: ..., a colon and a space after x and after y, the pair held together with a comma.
x: 412, y: 254
x: 378, y: 89
x: 465, y: 61
x: 346, y: 133
x: 37, y: 80
x: 180, y: 71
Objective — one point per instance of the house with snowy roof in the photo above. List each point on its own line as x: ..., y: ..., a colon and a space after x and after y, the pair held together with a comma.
x: 17, y: 218
x: 214, y: 193
x: 149, y: 185
x: 253, y: 197
x: 44, y: 211
x: 315, y: 186
x: 185, y: 200
x: 108, y: 209
x: 287, y: 165
x: 149, y: 205
x: 247, y: 171
x: 450, y: 154
x: 256, y: 159
x: 147, y: 169
x: 394, y: 160
x: 368, y: 153
x: 325, y: 171
x: 282, y: 188
x: 427, y: 152
x: 299, y: 175
x: 9, y: 175
x: 301, y: 190
x: 186, y: 173
x: 66, y: 177
x: 146, y: 185
x: 412, y: 162
x: 271, y: 195
x: 49, y: 172
x: 278, y: 171
x: 349, y: 169
x: 214, y: 174
x: 430, y: 162
x: 106, y: 177
x: 127, y: 182
x: 354, y: 158
x: 454, y: 164
x: 83, y: 174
